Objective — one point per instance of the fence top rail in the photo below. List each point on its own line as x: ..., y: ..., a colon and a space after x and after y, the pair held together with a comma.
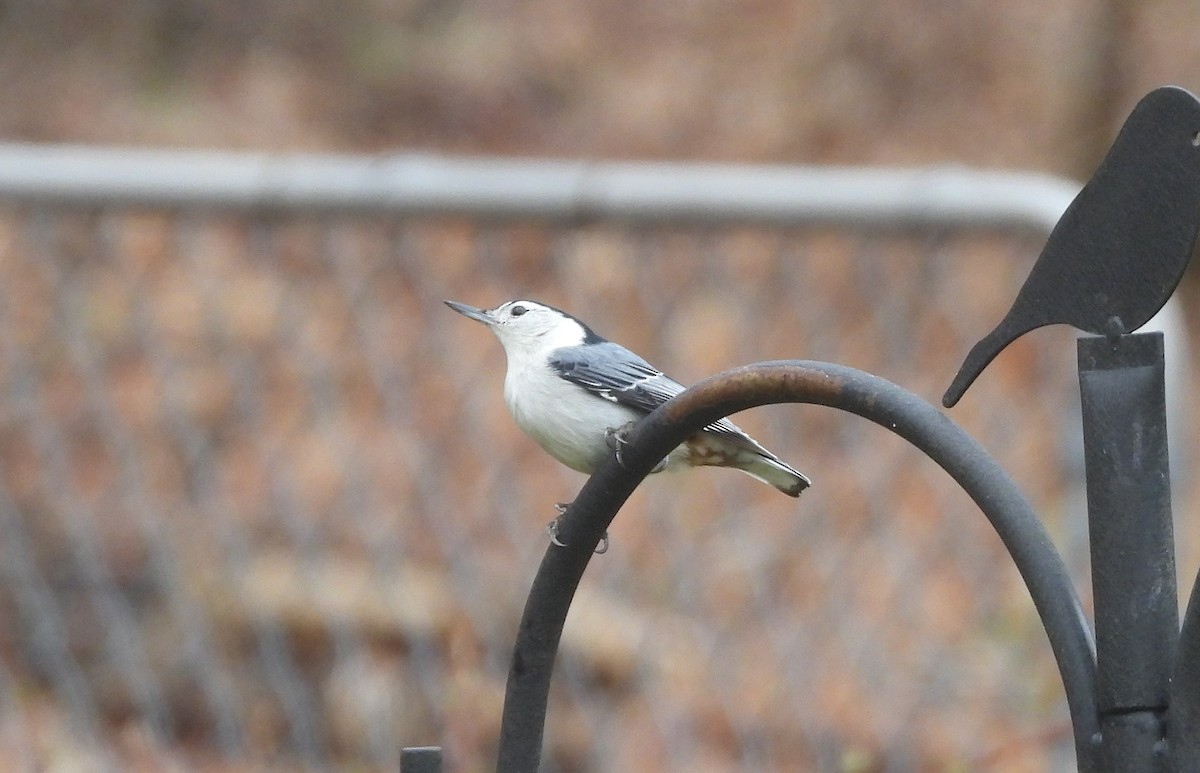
x: 413, y: 184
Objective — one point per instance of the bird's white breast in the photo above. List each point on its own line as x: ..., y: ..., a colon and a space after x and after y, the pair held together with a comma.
x: 564, y: 419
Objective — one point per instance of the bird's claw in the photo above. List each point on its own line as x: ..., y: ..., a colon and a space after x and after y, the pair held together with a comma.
x: 552, y: 527
x: 552, y: 530
x: 618, y: 438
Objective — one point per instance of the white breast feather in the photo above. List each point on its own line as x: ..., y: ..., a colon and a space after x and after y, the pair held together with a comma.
x: 564, y: 419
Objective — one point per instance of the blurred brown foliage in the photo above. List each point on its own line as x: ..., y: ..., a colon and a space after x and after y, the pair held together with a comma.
x: 1019, y: 84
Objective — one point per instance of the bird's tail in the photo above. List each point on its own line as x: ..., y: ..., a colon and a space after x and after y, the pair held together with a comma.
x: 775, y: 472
x: 741, y: 452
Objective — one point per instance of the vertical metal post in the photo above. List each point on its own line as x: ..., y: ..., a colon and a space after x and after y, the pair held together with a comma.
x: 1183, y: 729
x: 1132, y: 545
x: 421, y: 759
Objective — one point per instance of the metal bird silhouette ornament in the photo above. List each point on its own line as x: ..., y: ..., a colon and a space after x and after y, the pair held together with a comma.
x: 1121, y: 247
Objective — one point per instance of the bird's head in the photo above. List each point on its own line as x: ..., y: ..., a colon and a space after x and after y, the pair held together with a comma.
x: 527, y: 327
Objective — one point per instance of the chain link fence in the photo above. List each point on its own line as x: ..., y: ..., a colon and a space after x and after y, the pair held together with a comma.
x: 262, y: 508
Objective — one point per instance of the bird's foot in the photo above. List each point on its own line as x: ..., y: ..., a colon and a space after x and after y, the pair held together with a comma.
x: 618, y: 438
x: 552, y: 530
x: 552, y: 527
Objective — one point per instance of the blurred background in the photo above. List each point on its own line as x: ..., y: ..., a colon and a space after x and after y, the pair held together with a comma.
x: 261, y: 506
x: 894, y: 82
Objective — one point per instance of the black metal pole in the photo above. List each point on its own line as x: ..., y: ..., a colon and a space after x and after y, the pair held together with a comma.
x: 1183, y: 729
x: 1132, y: 545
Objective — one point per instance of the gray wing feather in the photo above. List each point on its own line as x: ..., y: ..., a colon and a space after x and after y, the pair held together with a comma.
x: 613, y: 372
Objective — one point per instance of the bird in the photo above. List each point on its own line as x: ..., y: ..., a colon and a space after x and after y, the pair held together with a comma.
x: 575, y: 393
x: 1121, y: 247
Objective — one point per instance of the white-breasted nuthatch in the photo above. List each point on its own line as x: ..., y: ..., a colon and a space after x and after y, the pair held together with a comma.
x: 571, y: 391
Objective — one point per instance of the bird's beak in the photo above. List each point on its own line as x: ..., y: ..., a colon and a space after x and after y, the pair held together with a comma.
x: 479, y: 315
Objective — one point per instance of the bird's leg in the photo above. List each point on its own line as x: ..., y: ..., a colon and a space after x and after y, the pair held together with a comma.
x: 552, y: 530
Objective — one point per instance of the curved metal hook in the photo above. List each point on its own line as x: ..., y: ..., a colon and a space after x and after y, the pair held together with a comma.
x: 816, y: 383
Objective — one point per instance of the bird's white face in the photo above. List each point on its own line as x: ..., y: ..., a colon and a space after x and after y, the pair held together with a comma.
x: 527, y: 327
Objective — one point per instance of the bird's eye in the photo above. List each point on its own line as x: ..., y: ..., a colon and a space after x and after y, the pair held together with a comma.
x: 517, y: 311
